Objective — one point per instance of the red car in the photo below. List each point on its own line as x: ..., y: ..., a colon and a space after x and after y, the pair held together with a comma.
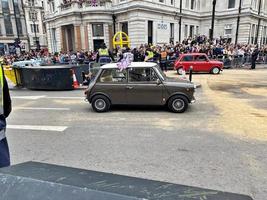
x: 200, y: 63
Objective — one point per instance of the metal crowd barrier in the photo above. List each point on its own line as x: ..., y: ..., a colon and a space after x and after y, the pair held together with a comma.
x: 239, y: 61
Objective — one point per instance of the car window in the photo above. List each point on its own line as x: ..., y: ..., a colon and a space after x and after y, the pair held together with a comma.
x: 113, y: 76
x: 201, y: 58
x: 142, y: 75
x: 187, y: 58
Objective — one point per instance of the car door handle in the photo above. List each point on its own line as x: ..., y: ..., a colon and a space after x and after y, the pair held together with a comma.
x: 129, y: 87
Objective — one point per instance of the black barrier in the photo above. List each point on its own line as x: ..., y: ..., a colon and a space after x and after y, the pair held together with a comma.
x: 38, y: 181
x: 48, y: 77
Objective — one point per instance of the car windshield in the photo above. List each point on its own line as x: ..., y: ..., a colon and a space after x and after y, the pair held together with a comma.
x: 161, y: 73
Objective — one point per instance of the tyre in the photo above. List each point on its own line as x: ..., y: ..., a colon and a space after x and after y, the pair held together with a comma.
x: 180, y: 71
x: 178, y: 104
x: 215, y: 70
x: 101, y: 103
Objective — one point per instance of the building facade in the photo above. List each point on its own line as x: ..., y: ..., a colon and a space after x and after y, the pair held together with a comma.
x: 85, y: 24
x: 34, y: 13
x: 12, y: 26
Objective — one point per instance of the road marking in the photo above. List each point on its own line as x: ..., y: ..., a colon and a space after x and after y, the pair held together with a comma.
x: 64, y: 97
x: 27, y: 97
x: 38, y: 128
x: 43, y: 97
x: 37, y: 108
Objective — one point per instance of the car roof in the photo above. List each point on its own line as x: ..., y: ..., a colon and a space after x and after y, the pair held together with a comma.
x: 193, y: 54
x: 133, y: 64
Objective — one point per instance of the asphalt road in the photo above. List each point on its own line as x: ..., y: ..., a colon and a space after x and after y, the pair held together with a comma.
x: 219, y: 143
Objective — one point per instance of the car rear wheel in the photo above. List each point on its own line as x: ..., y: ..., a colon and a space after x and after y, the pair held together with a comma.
x: 215, y: 70
x: 178, y: 104
x: 101, y: 104
x: 180, y: 71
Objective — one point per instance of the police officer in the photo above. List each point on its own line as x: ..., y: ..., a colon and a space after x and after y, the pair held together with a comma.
x: 104, y: 52
x: 149, y: 55
x: 5, y: 109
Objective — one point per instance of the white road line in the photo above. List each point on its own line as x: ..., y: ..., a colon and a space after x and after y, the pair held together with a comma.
x: 38, y: 128
x: 64, y: 97
x: 36, y: 108
x: 43, y: 97
x: 27, y: 97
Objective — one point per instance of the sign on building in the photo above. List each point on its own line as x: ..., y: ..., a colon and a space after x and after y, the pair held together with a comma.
x: 163, y: 32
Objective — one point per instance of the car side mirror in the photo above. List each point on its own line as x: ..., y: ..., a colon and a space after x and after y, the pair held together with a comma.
x: 158, y: 82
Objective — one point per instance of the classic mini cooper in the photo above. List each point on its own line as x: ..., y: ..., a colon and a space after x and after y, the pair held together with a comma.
x: 200, y: 63
x: 140, y: 83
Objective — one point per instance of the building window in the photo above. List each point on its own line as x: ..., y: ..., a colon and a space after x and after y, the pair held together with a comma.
x: 193, y: 4
x: 124, y: 27
x: 34, y: 28
x: 197, y: 30
x: 161, y: 1
x: 228, y: 29
x: 192, y: 31
x: 252, y: 33
x: 171, y: 32
x: 98, y: 30
x: 187, y: 4
x: 186, y: 31
x: 31, y: 3
x: 172, y: 2
x: 231, y: 4
x: 33, y: 15
x: 8, y: 24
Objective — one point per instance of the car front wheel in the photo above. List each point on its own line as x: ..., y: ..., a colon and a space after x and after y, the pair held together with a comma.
x: 100, y: 104
x: 215, y: 70
x: 178, y: 104
x: 180, y: 71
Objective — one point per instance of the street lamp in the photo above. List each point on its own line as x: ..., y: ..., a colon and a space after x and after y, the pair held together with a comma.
x: 213, y: 19
x: 17, y: 40
x: 180, y: 20
x: 259, y: 22
x: 238, y: 22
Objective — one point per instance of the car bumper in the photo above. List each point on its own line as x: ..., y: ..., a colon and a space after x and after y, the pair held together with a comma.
x: 193, y: 100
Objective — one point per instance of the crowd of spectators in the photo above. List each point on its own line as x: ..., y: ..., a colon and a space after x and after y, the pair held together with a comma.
x: 217, y: 49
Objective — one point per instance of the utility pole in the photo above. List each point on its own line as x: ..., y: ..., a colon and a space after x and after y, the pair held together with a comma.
x: 259, y: 23
x: 17, y: 40
x: 180, y: 20
x: 213, y: 19
x: 238, y: 22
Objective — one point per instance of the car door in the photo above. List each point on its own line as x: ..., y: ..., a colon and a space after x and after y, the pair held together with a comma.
x: 113, y: 82
x: 187, y: 61
x: 142, y: 88
x: 200, y: 63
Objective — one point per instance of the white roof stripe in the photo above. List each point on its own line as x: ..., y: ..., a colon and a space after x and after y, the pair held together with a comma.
x: 133, y: 64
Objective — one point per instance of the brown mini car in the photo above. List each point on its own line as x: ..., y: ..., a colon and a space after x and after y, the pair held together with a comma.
x: 140, y: 84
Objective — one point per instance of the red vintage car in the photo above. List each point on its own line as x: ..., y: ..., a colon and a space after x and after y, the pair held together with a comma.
x: 200, y: 63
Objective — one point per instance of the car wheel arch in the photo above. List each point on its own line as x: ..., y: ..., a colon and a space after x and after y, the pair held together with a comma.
x: 99, y: 94
x: 177, y: 94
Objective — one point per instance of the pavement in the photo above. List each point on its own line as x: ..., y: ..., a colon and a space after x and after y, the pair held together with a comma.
x: 219, y: 143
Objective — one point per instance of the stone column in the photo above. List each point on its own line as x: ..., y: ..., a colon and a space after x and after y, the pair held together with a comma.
x: 63, y: 39
x: 77, y: 35
x: 86, y: 39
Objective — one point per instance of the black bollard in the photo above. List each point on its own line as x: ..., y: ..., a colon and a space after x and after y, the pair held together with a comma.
x: 190, y: 73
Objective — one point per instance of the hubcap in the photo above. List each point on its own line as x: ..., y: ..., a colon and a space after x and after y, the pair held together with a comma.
x: 216, y: 70
x: 180, y: 71
x: 178, y: 104
x: 100, y: 104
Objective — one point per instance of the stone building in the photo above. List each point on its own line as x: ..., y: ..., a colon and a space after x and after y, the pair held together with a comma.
x: 34, y: 11
x: 85, y: 24
x: 12, y: 26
